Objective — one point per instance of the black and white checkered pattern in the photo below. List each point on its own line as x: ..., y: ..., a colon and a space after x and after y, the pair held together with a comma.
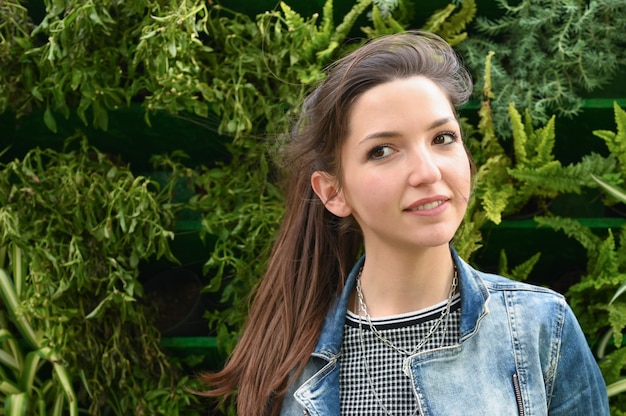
x: 384, y: 363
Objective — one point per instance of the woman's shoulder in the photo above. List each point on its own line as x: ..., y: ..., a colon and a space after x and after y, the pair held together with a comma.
x: 497, y: 282
x: 533, y: 307
x: 501, y: 285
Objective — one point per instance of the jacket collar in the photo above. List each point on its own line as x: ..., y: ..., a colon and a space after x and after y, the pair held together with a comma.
x: 474, y: 300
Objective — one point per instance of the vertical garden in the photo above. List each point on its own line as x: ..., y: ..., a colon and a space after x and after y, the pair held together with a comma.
x: 139, y: 195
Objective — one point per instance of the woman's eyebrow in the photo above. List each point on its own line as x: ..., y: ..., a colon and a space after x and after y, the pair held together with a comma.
x: 380, y: 135
x: 387, y: 134
x: 441, y: 122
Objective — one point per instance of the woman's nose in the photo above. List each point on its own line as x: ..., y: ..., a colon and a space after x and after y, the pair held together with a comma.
x: 422, y: 167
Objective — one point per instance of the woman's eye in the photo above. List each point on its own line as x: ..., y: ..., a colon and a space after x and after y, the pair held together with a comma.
x: 380, y: 152
x: 445, y: 138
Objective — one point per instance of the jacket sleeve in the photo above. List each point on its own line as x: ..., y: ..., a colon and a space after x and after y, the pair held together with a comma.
x: 578, y: 387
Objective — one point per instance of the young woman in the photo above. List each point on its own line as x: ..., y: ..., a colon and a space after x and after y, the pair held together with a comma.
x: 377, y: 165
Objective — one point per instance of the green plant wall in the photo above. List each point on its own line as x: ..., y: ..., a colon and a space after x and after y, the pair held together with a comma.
x: 204, y: 88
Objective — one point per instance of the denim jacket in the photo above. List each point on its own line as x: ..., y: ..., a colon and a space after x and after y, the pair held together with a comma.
x: 521, y: 352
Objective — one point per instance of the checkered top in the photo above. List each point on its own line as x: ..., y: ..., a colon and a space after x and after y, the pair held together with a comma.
x: 384, y: 363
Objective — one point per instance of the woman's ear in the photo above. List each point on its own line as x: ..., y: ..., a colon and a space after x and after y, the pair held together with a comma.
x: 326, y: 188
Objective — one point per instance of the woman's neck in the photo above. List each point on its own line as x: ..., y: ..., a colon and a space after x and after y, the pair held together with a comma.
x: 394, y: 284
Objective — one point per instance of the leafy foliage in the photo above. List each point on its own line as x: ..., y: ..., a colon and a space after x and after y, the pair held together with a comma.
x: 243, y: 212
x: 82, y: 224
x: 594, y: 299
x: 24, y: 384
x: 598, y: 298
x: 191, y: 57
x: 451, y: 26
x: 214, y: 60
x: 505, y: 183
x: 616, y: 141
x: 519, y: 272
x: 15, y: 40
x: 93, y: 57
x: 547, y: 53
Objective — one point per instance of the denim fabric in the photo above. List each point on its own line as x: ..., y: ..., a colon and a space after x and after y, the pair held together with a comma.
x: 521, y: 352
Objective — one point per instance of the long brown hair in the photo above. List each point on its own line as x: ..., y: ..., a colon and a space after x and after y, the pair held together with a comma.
x: 314, y: 250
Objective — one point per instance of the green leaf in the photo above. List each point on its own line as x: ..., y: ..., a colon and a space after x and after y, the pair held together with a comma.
x: 16, y: 404
x: 523, y: 270
x: 97, y: 311
x: 617, y: 387
x: 49, y: 120
x: 615, y: 191
x: 9, y: 360
x: 612, y: 364
x: 8, y: 388
x: 100, y: 116
x: 618, y: 293
x: 171, y: 47
x: 9, y: 296
x: 520, y: 137
x: 31, y: 366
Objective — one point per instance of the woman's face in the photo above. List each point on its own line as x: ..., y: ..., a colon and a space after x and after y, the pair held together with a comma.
x: 406, y: 175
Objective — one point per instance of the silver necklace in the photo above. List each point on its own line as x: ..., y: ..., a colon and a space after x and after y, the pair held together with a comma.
x: 362, y: 307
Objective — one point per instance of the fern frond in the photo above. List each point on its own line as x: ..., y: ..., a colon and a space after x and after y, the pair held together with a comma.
x: 348, y: 20
x: 520, y: 137
x: 300, y: 32
x: 542, y: 141
x: 612, y: 364
x: 617, y: 319
x: 523, y: 270
x: 545, y: 180
x: 503, y: 264
x: 383, y: 25
x: 339, y: 34
x: 572, y: 229
x: 621, y: 252
x: 616, y: 141
x: 460, y: 20
x: 328, y: 23
x: 294, y: 21
x: 492, y: 171
x: 495, y: 200
x: 494, y: 27
x: 605, y: 263
x: 438, y: 18
x: 489, y: 142
x: 592, y: 164
x: 533, y: 148
x: 519, y: 272
x: 386, y: 7
x: 562, y: 179
x: 322, y: 34
x: 451, y: 26
x: 468, y: 238
x: 606, y: 135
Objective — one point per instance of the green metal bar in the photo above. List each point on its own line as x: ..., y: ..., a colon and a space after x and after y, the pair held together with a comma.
x: 587, y: 103
x: 190, y: 342
x: 593, y: 222
x: 603, y: 102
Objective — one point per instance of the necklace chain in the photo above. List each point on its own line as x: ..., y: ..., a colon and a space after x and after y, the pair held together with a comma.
x: 433, y: 328
x: 362, y: 307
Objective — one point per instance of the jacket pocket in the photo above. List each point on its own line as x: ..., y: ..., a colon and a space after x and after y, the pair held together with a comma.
x: 518, y: 395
